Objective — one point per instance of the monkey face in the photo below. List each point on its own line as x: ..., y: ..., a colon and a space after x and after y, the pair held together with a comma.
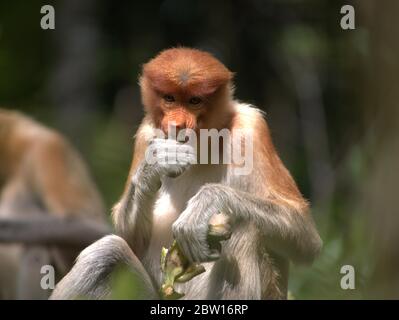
x: 181, y: 110
x: 179, y: 87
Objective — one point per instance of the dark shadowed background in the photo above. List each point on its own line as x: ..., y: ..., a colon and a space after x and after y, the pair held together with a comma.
x: 330, y: 95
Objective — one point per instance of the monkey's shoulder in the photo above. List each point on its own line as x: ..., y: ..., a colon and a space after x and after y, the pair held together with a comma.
x: 248, y: 117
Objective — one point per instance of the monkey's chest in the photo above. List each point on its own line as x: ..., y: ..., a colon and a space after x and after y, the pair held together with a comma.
x: 172, y: 200
x: 167, y: 209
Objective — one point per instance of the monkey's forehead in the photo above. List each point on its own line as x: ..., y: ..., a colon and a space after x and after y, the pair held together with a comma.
x: 184, y: 55
x: 187, y: 70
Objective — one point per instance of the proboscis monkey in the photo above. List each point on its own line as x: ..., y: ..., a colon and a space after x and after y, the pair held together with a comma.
x: 269, y: 219
x: 40, y: 173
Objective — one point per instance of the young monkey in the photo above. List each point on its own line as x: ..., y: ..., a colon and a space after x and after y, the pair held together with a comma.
x: 269, y: 219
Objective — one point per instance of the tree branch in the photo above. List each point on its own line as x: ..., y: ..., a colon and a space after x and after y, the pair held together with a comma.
x: 47, y: 230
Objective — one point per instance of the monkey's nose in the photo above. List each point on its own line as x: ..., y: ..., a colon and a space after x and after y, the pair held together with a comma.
x: 179, y: 123
x: 179, y: 128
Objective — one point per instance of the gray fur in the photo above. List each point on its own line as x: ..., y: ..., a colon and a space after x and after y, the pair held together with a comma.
x: 288, y: 232
x: 90, y: 276
x: 252, y: 264
x: 133, y: 215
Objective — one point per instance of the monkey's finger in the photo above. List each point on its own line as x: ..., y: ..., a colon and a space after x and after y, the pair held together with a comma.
x: 165, y: 158
x: 219, y: 231
x: 219, y: 236
x: 185, y: 158
x: 169, y: 144
x: 175, y: 152
x: 183, y: 149
x: 174, y: 174
x: 219, y: 227
x: 161, y: 141
x: 173, y: 171
x: 213, y: 255
x: 182, y: 160
x: 215, y: 239
x: 203, y: 253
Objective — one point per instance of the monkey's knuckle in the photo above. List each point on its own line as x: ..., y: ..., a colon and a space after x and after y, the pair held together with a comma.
x: 182, y: 158
x: 208, y: 189
x: 176, y: 170
x: 156, y: 140
x: 170, y: 170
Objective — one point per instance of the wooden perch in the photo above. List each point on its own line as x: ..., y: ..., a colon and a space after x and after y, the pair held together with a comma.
x: 45, y: 230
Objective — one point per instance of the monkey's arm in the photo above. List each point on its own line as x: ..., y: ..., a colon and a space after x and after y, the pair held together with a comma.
x: 133, y: 214
x: 286, y: 230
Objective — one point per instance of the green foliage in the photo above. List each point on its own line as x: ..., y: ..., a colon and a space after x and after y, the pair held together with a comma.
x: 125, y: 285
x: 347, y: 241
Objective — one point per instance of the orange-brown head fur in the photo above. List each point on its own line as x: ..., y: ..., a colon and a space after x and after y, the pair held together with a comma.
x: 187, y: 87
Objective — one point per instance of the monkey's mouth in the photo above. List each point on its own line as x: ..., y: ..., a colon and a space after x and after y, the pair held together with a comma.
x: 182, y: 135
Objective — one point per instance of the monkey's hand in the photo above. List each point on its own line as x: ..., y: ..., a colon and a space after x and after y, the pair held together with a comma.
x: 163, y: 157
x: 201, y: 226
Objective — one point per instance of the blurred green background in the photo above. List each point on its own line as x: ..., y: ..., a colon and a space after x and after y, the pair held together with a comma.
x: 330, y: 96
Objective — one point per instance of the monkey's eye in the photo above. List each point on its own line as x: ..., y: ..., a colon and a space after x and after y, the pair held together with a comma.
x: 169, y: 98
x: 195, y: 100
